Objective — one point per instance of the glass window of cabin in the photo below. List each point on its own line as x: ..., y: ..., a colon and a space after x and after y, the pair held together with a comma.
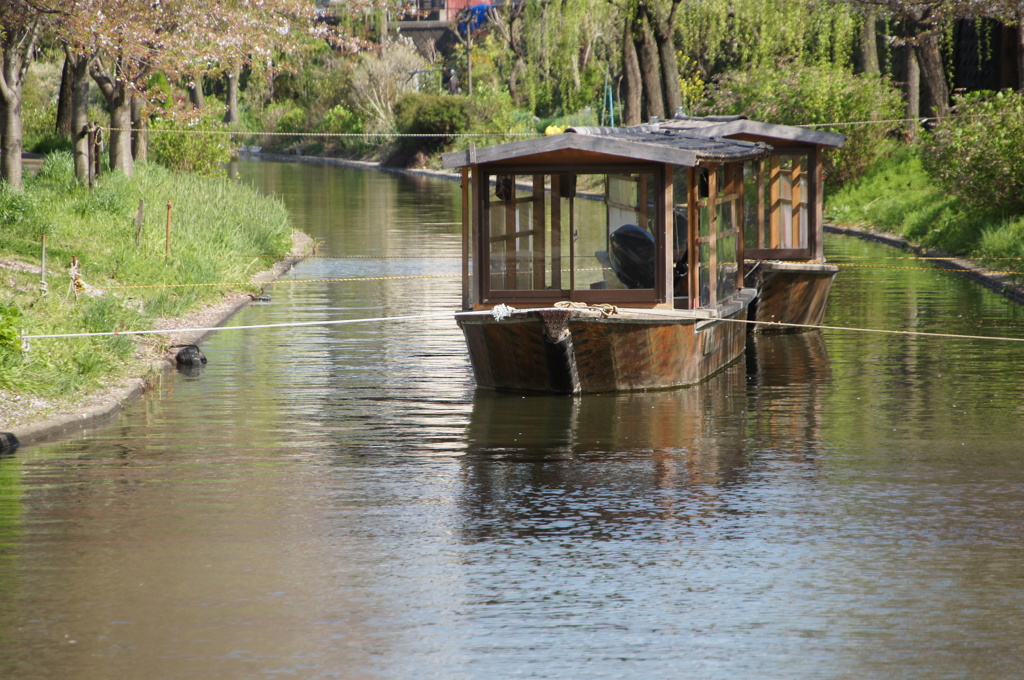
x: 777, y: 201
x: 625, y: 247
x: 680, y: 235
x: 729, y: 206
x: 565, y: 232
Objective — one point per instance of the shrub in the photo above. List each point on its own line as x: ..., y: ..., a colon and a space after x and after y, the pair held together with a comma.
x: 341, y: 121
x: 975, y: 152
x: 190, y: 145
x: 791, y: 94
x: 431, y: 114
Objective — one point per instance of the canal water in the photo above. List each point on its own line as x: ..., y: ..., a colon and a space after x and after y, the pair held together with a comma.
x: 339, y: 501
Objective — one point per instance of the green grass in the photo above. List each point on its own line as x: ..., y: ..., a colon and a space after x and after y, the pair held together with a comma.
x: 898, y: 196
x: 221, y: 233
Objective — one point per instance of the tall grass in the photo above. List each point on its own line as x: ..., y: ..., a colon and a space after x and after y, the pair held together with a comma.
x: 220, y: 233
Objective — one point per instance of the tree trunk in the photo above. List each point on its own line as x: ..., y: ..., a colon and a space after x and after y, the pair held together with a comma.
x: 933, y: 75
x: 195, y: 93
x: 231, y: 115
x: 632, y: 88
x: 663, y: 29
x: 121, y: 134
x: 140, y: 131
x: 912, y: 90
x: 869, y: 45
x: 80, y: 115
x: 63, y: 125
x: 118, y: 99
x: 650, y: 69
x: 513, y: 80
x: 17, y: 47
x: 10, y: 133
x: 1020, y: 55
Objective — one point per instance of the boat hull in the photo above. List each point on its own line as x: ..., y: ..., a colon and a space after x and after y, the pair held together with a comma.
x: 569, y: 351
x: 791, y: 293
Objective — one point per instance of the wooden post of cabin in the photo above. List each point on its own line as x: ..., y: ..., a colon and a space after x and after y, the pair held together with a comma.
x: 538, y: 232
x: 692, y: 246
x: 761, y: 226
x: 713, y: 234
x: 739, y: 208
x: 478, y: 186
x: 466, y: 212
x: 774, y: 203
x: 816, y: 242
x: 796, y: 174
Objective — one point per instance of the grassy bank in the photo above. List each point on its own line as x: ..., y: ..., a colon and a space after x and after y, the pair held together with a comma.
x: 898, y: 196
x: 221, y: 233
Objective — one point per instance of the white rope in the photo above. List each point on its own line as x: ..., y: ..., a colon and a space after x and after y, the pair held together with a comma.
x: 293, y: 324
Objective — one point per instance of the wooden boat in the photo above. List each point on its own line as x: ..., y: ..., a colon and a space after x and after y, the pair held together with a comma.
x: 604, y: 259
x: 784, y: 229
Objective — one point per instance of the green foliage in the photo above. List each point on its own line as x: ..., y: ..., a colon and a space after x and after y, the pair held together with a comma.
x: 897, y: 195
x: 341, y: 121
x: 292, y: 120
x: 792, y: 94
x: 725, y: 35
x: 562, y: 75
x: 190, y: 145
x: 975, y: 153
x: 432, y: 114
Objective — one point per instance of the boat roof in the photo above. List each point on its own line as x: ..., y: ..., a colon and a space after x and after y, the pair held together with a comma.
x: 742, y: 127
x: 645, y: 143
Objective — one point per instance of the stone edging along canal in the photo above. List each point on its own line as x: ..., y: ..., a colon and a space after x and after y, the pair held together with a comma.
x: 1000, y: 283
x: 96, y: 407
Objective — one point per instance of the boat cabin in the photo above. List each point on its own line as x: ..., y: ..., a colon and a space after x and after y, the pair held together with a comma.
x: 783, y: 195
x: 642, y: 217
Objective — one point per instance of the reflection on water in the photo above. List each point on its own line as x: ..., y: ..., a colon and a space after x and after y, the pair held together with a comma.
x: 340, y: 501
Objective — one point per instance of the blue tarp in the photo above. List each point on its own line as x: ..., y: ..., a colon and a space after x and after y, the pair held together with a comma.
x: 474, y: 16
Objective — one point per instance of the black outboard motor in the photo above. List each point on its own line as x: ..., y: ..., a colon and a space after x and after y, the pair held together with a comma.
x: 631, y: 251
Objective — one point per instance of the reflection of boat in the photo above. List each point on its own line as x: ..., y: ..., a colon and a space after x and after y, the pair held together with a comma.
x: 603, y: 464
x: 783, y: 221
x: 543, y: 313
x: 792, y: 376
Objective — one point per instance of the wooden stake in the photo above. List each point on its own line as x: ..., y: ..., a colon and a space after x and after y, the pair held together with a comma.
x: 167, y: 242
x: 138, y: 221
